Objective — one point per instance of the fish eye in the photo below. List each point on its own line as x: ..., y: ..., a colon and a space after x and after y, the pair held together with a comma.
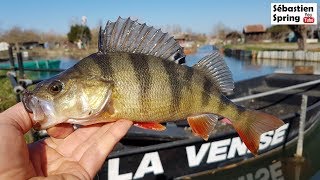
x: 55, y: 87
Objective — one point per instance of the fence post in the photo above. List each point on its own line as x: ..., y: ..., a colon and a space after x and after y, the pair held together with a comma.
x: 20, y: 64
x: 11, y: 58
x: 301, y: 125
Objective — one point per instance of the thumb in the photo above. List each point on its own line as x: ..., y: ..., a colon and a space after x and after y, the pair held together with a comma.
x: 18, y: 117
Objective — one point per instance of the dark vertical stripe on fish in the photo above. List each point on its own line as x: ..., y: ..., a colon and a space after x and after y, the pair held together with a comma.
x: 103, y: 62
x: 175, y: 85
x: 224, y: 102
x: 142, y: 73
x: 240, y: 109
x: 188, y: 75
x: 208, y: 87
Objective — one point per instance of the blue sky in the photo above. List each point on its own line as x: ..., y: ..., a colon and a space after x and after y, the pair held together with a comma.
x: 198, y: 15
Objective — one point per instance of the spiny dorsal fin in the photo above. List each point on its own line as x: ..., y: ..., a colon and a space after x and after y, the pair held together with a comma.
x: 126, y: 35
x: 214, y: 67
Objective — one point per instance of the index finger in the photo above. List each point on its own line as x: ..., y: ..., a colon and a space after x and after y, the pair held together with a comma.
x: 18, y: 117
x: 93, y: 158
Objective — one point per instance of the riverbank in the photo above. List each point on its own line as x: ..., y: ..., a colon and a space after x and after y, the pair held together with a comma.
x: 315, y: 47
x: 56, y: 53
x: 279, y: 51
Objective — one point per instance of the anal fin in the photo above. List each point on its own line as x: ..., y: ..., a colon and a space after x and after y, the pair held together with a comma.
x: 150, y: 125
x: 202, y: 125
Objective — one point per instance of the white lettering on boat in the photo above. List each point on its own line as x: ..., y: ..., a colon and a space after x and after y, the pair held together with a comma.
x: 273, y: 171
x: 113, y: 170
x: 208, y: 153
x: 150, y: 163
x: 218, y: 151
x: 155, y: 165
x: 229, y: 148
x: 195, y: 159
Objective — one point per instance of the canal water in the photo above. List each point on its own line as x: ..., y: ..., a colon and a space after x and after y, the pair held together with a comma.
x: 248, y: 68
x: 240, y: 68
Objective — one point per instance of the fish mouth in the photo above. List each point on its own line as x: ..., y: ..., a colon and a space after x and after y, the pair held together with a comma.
x: 26, y: 99
x: 33, y: 105
x: 43, y: 111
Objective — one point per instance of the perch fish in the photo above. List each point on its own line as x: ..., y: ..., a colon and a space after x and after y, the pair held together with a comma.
x: 135, y: 76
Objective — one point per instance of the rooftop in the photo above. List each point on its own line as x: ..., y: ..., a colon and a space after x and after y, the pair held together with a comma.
x: 257, y: 28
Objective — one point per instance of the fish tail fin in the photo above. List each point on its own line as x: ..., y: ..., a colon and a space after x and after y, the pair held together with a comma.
x: 252, y: 125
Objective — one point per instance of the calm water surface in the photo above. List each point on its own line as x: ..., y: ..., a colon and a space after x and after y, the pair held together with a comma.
x: 241, y: 68
x: 247, y: 68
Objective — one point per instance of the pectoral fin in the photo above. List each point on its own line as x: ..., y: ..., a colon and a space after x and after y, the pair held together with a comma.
x: 150, y: 125
x: 202, y: 125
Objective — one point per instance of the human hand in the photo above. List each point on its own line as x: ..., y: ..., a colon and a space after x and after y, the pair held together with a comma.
x: 77, y: 156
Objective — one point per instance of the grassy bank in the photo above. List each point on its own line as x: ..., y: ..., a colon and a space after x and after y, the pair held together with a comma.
x: 57, y: 53
x: 271, y: 46
x: 7, y: 97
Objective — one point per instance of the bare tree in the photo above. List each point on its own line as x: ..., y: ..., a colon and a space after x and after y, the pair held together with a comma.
x: 53, y: 37
x: 95, y: 36
x: 301, y: 33
x: 16, y: 35
x: 220, y: 30
x: 173, y: 29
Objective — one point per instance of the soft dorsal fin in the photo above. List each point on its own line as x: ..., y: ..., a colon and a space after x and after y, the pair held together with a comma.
x: 214, y: 67
x: 126, y: 35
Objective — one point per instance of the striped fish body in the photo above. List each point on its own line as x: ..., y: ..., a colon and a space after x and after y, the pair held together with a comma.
x: 147, y: 88
x: 152, y: 90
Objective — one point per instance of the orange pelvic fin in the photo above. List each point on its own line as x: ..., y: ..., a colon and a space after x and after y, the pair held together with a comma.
x: 202, y: 125
x: 253, y: 125
x: 150, y: 125
x: 225, y: 120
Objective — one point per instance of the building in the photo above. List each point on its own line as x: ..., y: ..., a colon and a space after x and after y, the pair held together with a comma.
x: 254, y: 33
x: 4, y: 46
x: 233, y: 38
x: 188, y: 45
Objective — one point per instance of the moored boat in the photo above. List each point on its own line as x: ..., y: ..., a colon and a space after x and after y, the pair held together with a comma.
x: 177, y: 153
x: 36, y: 64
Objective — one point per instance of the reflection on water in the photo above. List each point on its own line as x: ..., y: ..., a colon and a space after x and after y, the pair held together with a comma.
x: 240, y: 69
x: 286, y: 64
x: 248, y: 68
